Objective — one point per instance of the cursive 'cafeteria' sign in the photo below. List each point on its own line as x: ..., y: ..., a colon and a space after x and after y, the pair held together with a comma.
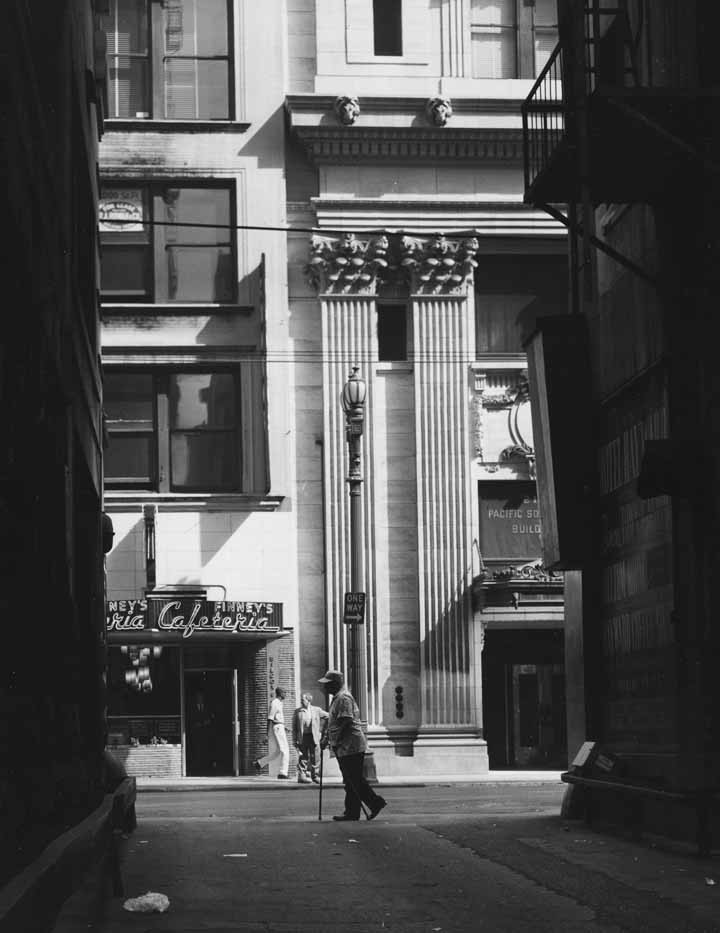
x: 185, y: 617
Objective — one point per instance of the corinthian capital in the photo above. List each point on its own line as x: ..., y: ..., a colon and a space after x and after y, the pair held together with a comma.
x: 346, y: 264
x: 436, y: 264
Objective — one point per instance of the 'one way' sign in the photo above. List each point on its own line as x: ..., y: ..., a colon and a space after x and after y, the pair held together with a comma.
x: 354, y: 613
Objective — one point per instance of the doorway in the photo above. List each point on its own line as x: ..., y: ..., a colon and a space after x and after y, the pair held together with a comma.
x: 524, y: 707
x: 209, y: 720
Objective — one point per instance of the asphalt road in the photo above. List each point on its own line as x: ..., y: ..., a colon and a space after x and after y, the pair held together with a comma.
x: 438, y: 859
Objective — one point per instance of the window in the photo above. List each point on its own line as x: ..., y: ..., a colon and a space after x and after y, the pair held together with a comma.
x: 512, y: 38
x: 493, y: 28
x: 392, y: 332
x: 151, y: 252
x: 173, y: 431
x: 387, y: 27
x: 168, y: 59
x: 545, y: 32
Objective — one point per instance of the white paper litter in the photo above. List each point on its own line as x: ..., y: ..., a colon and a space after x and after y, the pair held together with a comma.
x: 710, y: 881
x: 149, y: 903
x: 235, y: 855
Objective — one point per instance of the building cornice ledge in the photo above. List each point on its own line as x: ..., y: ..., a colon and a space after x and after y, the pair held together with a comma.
x: 405, y: 128
x: 362, y: 144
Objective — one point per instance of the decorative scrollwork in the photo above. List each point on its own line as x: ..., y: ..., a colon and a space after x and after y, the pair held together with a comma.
x: 438, y: 264
x: 533, y: 572
x: 345, y: 263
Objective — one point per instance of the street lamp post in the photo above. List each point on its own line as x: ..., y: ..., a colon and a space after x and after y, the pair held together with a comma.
x: 353, y: 402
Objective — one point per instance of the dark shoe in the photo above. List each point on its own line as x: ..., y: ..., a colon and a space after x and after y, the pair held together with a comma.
x: 283, y: 777
x: 377, y: 807
x: 257, y: 766
x: 344, y: 818
x: 316, y: 779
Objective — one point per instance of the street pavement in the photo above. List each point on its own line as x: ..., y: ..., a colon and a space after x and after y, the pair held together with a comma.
x: 441, y: 858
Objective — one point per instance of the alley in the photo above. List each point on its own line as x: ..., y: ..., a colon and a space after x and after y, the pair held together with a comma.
x: 441, y: 859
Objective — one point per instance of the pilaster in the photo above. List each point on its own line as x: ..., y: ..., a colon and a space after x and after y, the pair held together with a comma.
x: 344, y: 270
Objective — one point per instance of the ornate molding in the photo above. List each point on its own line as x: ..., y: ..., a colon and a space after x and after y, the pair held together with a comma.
x: 438, y: 110
x: 347, y: 109
x: 533, y: 572
x: 331, y: 144
x: 347, y: 264
x: 423, y: 265
x: 437, y: 264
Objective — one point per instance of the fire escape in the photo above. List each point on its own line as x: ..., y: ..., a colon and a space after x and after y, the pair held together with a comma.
x: 605, y: 124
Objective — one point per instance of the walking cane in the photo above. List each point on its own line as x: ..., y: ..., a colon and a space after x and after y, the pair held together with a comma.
x: 322, y: 755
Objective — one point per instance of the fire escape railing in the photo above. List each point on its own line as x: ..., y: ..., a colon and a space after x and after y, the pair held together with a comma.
x: 543, y: 117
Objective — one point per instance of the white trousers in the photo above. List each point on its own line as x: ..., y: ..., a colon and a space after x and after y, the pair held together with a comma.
x: 278, y: 756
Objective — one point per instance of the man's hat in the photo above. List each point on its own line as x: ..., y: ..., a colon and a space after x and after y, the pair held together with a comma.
x: 332, y: 677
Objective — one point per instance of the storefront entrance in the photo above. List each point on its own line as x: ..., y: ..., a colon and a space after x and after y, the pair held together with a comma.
x: 524, y: 699
x: 209, y: 722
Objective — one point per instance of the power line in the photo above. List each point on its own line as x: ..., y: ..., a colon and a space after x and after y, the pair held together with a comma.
x: 374, y: 231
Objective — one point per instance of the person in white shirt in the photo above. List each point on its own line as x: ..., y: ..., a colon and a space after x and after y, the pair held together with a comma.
x: 277, y: 739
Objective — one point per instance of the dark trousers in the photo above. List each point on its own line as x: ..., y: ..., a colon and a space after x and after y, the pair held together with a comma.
x: 356, y: 787
x: 308, y: 755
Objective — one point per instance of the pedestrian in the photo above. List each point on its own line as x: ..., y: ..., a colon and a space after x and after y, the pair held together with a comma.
x: 308, y: 724
x: 277, y: 739
x: 348, y: 744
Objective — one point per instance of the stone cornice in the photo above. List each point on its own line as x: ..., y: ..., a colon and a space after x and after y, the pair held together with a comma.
x: 323, y: 103
x: 360, y: 144
x: 404, y: 128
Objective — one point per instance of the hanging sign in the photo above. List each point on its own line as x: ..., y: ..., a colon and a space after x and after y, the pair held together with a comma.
x: 354, y: 612
x: 183, y: 618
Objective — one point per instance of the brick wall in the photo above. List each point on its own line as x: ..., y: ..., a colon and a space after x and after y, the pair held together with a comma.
x: 149, y: 760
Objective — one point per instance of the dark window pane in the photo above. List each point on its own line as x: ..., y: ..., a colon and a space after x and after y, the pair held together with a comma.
x: 124, y: 271
x: 204, y: 460
x: 392, y: 332
x: 387, y: 27
x: 128, y: 401
x: 202, y: 400
x: 129, y: 459
x: 196, y: 89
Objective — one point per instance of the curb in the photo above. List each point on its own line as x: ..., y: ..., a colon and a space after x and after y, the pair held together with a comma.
x: 156, y: 785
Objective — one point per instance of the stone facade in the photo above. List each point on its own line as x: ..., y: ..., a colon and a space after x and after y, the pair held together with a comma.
x: 399, y: 185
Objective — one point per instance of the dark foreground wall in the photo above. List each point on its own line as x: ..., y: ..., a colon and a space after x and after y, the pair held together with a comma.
x: 51, y: 562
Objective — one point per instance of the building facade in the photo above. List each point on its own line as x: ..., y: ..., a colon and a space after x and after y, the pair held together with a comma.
x: 52, y: 696
x: 629, y: 375
x: 340, y: 188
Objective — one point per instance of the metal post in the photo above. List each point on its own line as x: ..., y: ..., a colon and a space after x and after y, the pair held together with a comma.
x: 358, y: 662
x: 353, y: 401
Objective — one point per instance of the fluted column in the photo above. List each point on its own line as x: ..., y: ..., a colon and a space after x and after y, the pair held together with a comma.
x: 344, y: 270
x: 455, y: 38
x: 444, y: 347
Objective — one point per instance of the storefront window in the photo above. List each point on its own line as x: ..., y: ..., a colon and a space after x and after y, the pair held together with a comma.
x: 140, y: 715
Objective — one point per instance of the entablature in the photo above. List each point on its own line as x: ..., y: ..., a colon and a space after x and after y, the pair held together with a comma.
x: 347, y: 129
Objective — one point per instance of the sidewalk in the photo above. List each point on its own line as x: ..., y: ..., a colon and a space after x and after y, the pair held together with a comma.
x: 468, y: 860
x: 263, y: 782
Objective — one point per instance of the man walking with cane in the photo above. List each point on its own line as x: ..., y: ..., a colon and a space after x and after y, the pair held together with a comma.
x: 348, y: 744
